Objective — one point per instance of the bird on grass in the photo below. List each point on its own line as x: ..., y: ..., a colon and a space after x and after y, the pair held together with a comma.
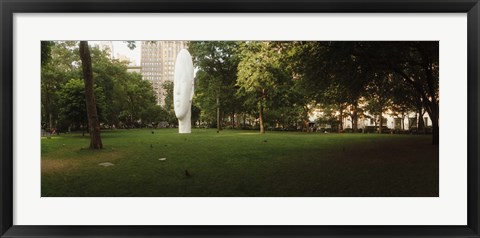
x: 153, y: 132
x: 187, y: 174
x: 151, y: 146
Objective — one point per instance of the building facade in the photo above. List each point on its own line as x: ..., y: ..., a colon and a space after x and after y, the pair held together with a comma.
x: 409, y: 121
x: 158, y: 64
x: 107, y: 46
x: 390, y: 120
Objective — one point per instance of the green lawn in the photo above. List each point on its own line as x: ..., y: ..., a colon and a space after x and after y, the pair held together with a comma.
x: 239, y: 163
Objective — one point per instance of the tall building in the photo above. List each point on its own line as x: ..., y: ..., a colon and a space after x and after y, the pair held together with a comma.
x: 107, y: 45
x: 158, y: 64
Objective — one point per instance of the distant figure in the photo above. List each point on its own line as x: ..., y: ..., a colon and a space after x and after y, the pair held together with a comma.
x: 187, y: 174
x: 183, y: 91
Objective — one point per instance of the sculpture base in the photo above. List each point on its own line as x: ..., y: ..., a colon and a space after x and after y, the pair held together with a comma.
x: 184, y: 127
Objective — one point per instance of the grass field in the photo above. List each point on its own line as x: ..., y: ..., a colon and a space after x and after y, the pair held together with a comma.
x: 239, y: 163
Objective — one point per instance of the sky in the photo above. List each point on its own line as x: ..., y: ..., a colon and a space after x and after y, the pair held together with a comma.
x: 120, y: 47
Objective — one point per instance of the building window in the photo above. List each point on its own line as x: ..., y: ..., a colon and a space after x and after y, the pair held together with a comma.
x: 412, y: 122
x: 398, y: 123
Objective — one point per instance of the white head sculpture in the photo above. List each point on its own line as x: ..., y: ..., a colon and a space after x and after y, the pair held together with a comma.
x: 183, y: 91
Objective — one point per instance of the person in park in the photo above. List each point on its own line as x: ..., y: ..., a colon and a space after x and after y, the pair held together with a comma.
x: 183, y: 91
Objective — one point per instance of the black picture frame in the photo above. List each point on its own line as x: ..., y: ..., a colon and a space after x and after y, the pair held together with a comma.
x: 10, y: 7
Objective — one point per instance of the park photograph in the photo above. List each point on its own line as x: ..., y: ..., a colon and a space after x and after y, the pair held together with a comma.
x: 239, y: 118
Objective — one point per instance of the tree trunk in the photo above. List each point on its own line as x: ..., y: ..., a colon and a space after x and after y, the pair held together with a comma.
x: 262, y: 101
x: 305, y: 119
x: 219, y: 123
x: 340, y: 125
x: 435, y: 132
x: 238, y: 121
x: 355, y: 119
x: 262, y: 129
x: 435, y: 127
x: 380, y: 124
x: 421, y: 124
x: 93, y: 121
x: 50, y: 120
x: 429, y: 105
x: 46, y: 107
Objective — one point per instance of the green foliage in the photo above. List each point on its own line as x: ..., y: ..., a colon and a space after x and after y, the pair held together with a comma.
x: 138, y: 94
x: 205, y: 98
x: 123, y: 99
x: 262, y: 77
x: 329, y: 117
x: 72, y: 106
x: 169, y: 112
x: 131, y: 44
x: 46, y: 47
x: 258, y: 69
x: 61, y: 66
x: 284, y: 81
x: 380, y: 94
x: 217, y: 63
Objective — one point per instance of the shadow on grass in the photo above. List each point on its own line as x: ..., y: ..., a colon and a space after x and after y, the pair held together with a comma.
x: 236, y: 164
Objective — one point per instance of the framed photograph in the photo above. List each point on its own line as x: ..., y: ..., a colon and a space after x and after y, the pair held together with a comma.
x: 239, y: 118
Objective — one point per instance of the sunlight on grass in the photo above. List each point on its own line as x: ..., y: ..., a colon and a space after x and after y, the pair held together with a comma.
x: 58, y: 166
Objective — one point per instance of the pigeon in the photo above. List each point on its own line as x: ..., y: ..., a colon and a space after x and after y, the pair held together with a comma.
x: 187, y: 174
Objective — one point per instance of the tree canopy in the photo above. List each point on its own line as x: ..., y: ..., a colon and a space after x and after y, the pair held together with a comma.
x: 255, y: 84
x: 279, y: 80
x: 123, y: 99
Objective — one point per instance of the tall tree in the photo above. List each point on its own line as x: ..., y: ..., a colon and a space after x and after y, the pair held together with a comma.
x: 405, y: 100
x: 110, y: 75
x: 417, y: 63
x: 46, y: 48
x: 59, y: 64
x: 139, y: 94
x: 380, y: 96
x: 217, y: 63
x: 93, y: 120
x: 260, y: 72
x: 334, y: 75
